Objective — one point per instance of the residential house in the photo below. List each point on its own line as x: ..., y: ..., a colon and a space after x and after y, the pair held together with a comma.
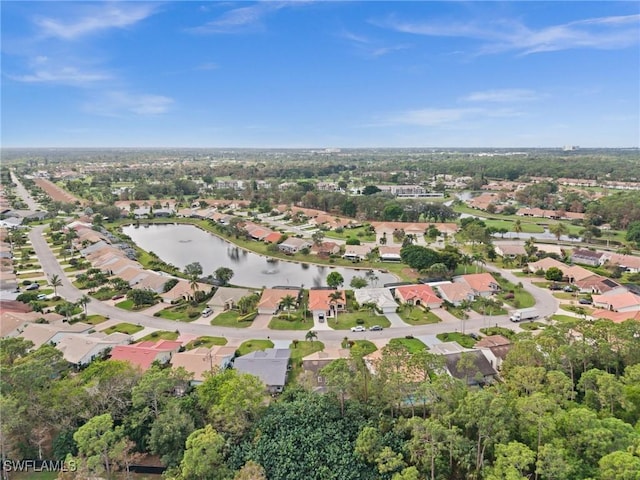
x: 575, y: 273
x: 325, y: 249
x: 586, y: 257
x: 293, y: 245
x: 81, y: 350
x: 273, y: 237
x: 629, y: 263
x: 482, y: 284
x: 616, y: 317
x: 389, y: 253
x: 455, y: 293
x: 316, y: 361
x: 152, y: 281
x: 271, y: 298
x: 356, y: 253
x: 51, y: 333
x: 380, y: 297
x: 478, y: 372
x: 419, y: 295
x: 619, y: 302
x: 510, y: 250
x: 270, y: 366
x: 202, y: 360
x: 545, y: 264
x: 226, y: 298
x: 495, y: 349
x: 183, y: 290
x: 13, y: 322
x: 322, y: 306
x: 143, y: 354
x: 599, y: 284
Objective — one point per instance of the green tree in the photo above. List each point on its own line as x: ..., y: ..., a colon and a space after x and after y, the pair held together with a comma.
x: 204, y: 456
x: 223, y: 275
x: 358, y: 282
x: 98, y: 444
x: 633, y: 233
x: 335, y: 280
x: 513, y: 462
x: 338, y: 378
x: 169, y: 433
x: 287, y: 303
x: 517, y: 227
x: 55, y: 281
x: 251, y: 471
x: 193, y: 270
x: 83, y: 301
x: 619, y: 466
x: 141, y: 297
x: 558, y: 230
x: 553, y: 274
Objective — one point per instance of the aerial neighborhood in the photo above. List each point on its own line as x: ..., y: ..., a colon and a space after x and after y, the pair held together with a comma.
x: 347, y: 281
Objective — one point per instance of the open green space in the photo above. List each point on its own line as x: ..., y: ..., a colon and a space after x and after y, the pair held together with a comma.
x: 254, y: 345
x: 94, y: 319
x: 463, y: 340
x: 294, y: 322
x: 232, y: 318
x: 417, y: 316
x: 361, y: 233
x: 160, y: 335
x: 302, y: 348
x: 531, y: 325
x: 128, y: 328
x: 347, y: 320
x: 412, y: 344
x: 184, y: 312
x: 205, y: 341
x: 505, y: 332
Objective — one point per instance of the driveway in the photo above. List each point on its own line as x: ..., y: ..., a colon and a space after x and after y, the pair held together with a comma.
x: 396, y: 321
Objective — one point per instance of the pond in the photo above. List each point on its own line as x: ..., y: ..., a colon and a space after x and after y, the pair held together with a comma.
x: 181, y: 245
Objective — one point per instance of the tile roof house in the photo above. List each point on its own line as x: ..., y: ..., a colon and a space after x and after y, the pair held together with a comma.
x: 143, y: 354
x: 270, y: 366
x: 356, y: 252
x: 271, y: 298
x: 599, y: 284
x: 616, y: 317
x: 389, y: 253
x: 575, y: 273
x: 293, y: 245
x: 478, y: 372
x: 511, y: 250
x: 81, y: 350
x: 183, y: 291
x: 316, y: 361
x: 226, y: 298
x: 619, y: 302
x: 273, y: 237
x: 586, y: 257
x: 422, y: 295
x: 325, y: 249
x: 495, y: 348
x: 629, y: 262
x: 321, y: 305
x: 42, y: 333
x: 381, y: 297
x: 201, y: 361
x: 455, y: 293
x: 482, y: 284
x: 545, y: 264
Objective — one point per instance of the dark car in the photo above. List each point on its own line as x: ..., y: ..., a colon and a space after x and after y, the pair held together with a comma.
x: 117, y: 297
x: 554, y: 286
x: 475, y: 336
x: 585, y: 301
x: 375, y: 328
x: 32, y: 286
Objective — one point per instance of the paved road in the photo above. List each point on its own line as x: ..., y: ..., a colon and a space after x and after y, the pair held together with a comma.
x: 22, y: 192
x: 547, y: 305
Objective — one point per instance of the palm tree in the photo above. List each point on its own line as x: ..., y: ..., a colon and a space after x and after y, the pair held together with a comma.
x: 334, y: 298
x: 286, y: 303
x: 311, y: 335
x: 193, y: 283
x: 83, y: 301
x: 517, y: 227
x: 478, y: 259
x: 55, y: 282
x: 466, y: 260
x: 558, y: 230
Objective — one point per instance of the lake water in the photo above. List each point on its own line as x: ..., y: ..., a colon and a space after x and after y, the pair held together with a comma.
x: 181, y: 245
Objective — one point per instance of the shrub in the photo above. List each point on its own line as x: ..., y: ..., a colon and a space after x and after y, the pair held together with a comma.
x: 360, y: 321
x: 26, y: 282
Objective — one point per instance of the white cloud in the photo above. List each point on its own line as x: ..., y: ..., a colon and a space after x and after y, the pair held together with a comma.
x: 118, y: 15
x: 117, y: 103
x: 62, y: 75
x: 603, y: 33
x: 431, y: 117
x: 370, y: 47
x: 504, y: 95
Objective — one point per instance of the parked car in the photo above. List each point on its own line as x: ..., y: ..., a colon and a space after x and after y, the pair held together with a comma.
x: 117, y: 297
x: 555, y: 286
x: 32, y: 286
x: 207, y: 311
x: 359, y: 328
x: 585, y: 301
x: 475, y: 336
x: 568, y: 289
x: 42, y: 296
x: 375, y: 328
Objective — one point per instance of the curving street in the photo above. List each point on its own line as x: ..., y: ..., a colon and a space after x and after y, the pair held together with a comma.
x: 545, y: 303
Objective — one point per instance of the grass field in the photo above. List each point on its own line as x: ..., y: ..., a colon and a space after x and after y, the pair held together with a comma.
x: 128, y: 328
x: 417, y: 316
x: 505, y: 332
x: 206, y: 342
x: 412, y: 344
x: 230, y: 319
x: 254, y: 345
x: 94, y: 319
x: 295, y: 323
x: 347, y: 320
x: 462, y: 339
x: 160, y: 335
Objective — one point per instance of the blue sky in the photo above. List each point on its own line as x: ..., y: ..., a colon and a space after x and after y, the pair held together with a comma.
x: 320, y: 74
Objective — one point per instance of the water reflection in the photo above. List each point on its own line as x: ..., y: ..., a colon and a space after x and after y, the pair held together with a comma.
x: 184, y: 244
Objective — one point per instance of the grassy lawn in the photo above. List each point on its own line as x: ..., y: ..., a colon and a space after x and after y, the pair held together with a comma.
x: 521, y: 298
x: 417, y: 316
x: 462, y: 339
x: 564, y: 295
x: 303, y: 348
x: 206, y: 342
x: 254, y: 345
x: 128, y: 328
x: 160, y: 335
x: 564, y: 318
x: 185, y: 312
x: 361, y: 233
x: 230, y: 319
x: 505, y: 332
x: 293, y: 323
x: 531, y: 325
x: 412, y: 344
x: 347, y: 320
x: 578, y: 309
x: 94, y: 319
x: 128, y: 305
x: 488, y: 311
